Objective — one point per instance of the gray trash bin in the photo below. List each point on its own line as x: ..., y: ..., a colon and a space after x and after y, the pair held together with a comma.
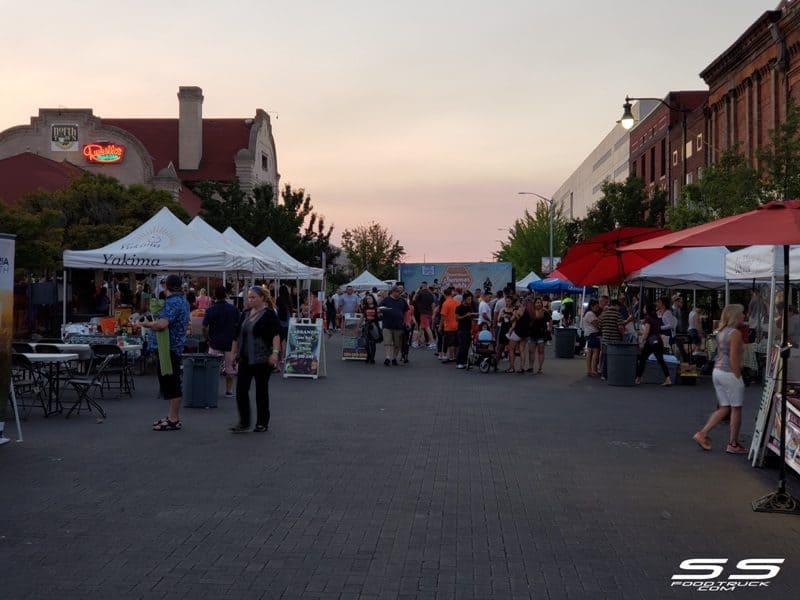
x: 621, y: 363
x: 200, y: 380
x: 565, y: 341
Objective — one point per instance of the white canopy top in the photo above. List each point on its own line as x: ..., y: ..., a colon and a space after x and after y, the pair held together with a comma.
x: 522, y: 284
x: 698, y: 268
x: 299, y: 270
x: 366, y: 281
x: 163, y: 243
x: 248, y: 262
x: 273, y: 267
x: 762, y: 262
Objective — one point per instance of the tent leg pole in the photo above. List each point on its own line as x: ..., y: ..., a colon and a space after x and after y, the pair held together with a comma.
x: 64, y: 307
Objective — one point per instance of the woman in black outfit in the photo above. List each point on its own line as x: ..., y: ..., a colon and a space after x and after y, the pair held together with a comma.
x: 651, y: 343
x: 256, y: 348
x: 369, y: 311
x: 330, y: 310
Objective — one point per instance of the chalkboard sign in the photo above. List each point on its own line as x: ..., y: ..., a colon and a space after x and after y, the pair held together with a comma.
x: 354, y: 343
x: 303, y: 348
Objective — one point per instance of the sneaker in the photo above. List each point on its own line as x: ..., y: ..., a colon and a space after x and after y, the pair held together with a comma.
x: 415, y: 345
x: 461, y: 366
x: 703, y: 440
x: 387, y: 362
x: 432, y: 346
x: 737, y: 449
x: 229, y: 395
x: 394, y: 362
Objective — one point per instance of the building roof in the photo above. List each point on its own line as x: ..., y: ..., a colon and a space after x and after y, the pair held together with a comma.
x: 222, y: 139
x: 24, y: 173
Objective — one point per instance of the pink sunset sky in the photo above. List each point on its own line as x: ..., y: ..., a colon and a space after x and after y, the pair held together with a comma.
x: 427, y: 117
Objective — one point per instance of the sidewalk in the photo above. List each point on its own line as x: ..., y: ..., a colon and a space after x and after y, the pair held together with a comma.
x: 417, y: 481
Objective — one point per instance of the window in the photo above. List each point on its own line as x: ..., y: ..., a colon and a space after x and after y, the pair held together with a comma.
x: 652, y: 164
x: 674, y: 190
x: 265, y: 162
x: 663, y: 157
x: 688, y: 153
x: 699, y: 173
x: 633, y: 168
x: 699, y: 143
x: 674, y: 158
x: 689, y: 178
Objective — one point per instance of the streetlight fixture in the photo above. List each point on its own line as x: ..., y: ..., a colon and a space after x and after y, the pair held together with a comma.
x: 551, y: 205
x: 627, y: 121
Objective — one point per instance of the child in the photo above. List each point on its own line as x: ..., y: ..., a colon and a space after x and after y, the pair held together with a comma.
x: 484, y: 335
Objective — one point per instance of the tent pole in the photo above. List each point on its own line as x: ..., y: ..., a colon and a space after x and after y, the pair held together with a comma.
x: 64, y: 307
x: 727, y: 293
x: 782, y: 501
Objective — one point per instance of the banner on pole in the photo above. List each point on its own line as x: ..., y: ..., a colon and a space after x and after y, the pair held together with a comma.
x: 7, y: 243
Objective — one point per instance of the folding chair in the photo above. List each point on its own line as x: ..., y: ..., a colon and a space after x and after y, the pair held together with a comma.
x: 29, y: 386
x: 85, y: 387
x: 119, y: 366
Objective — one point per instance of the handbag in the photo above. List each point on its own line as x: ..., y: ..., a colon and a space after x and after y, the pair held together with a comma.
x: 374, y: 332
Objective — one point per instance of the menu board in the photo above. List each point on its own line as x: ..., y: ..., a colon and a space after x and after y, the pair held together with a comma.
x: 792, y: 433
x: 354, y: 343
x: 303, y: 346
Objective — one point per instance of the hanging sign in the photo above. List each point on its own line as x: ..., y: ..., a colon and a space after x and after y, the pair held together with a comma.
x: 64, y: 138
x: 303, y: 346
x: 104, y: 153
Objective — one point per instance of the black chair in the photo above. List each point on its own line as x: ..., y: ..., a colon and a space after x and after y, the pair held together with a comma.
x: 86, y: 388
x: 118, y: 366
x: 29, y: 386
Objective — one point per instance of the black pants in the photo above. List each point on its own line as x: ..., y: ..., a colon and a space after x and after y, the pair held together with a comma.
x: 463, y: 346
x: 657, y: 349
x: 259, y: 372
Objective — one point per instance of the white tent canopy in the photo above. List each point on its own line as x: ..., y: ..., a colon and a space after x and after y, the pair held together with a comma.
x: 697, y: 268
x: 522, y: 284
x: 273, y: 267
x: 249, y: 262
x: 298, y: 269
x: 366, y: 281
x: 762, y: 262
x: 163, y: 243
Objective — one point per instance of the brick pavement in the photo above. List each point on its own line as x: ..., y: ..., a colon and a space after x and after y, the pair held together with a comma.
x: 403, y: 482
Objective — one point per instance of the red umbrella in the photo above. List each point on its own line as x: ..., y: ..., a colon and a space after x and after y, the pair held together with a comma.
x: 598, y: 261
x: 776, y: 224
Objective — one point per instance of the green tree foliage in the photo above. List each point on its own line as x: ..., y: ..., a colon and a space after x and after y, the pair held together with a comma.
x: 529, y: 240
x: 372, y: 248
x: 291, y: 222
x: 92, y: 211
x: 626, y: 204
x: 779, y: 161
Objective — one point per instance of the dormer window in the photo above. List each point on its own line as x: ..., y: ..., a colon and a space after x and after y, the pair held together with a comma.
x: 264, y: 162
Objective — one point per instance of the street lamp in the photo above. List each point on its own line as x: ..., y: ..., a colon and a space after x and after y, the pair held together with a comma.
x: 551, y: 204
x: 627, y: 121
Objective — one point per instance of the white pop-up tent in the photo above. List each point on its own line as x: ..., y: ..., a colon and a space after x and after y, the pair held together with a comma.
x: 522, y: 284
x: 275, y: 267
x: 694, y: 268
x: 366, y: 281
x: 762, y: 263
x: 298, y: 269
x: 252, y: 262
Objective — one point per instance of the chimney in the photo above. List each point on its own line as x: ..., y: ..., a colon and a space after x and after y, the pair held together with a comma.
x: 190, y: 127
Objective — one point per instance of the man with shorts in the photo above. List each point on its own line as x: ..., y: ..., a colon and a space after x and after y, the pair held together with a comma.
x: 449, y: 324
x: 423, y: 301
x: 392, y: 311
x: 174, y: 318
x: 219, y: 327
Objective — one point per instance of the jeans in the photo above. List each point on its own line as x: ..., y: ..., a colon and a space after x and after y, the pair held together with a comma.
x: 463, y: 346
x: 657, y: 349
x: 260, y: 372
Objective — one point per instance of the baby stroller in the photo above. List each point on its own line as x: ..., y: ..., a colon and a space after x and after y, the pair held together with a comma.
x: 482, y: 353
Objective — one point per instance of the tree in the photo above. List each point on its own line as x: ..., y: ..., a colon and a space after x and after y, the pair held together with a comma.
x: 779, y: 160
x: 372, y: 248
x: 529, y: 239
x: 291, y: 223
x: 626, y: 204
x: 92, y: 211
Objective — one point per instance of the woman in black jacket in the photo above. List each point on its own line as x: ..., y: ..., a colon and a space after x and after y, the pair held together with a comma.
x: 256, y: 349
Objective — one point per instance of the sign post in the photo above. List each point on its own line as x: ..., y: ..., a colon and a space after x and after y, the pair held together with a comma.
x: 305, y: 355
x: 7, y: 244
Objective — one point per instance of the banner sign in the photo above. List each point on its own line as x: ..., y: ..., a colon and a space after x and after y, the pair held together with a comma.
x: 465, y: 276
x: 303, y: 345
x: 64, y: 138
x: 6, y: 317
x: 792, y: 433
x: 354, y: 344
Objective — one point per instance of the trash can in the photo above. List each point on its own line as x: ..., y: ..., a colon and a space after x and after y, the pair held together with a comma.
x: 200, y: 380
x: 565, y: 341
x: 621, y: 363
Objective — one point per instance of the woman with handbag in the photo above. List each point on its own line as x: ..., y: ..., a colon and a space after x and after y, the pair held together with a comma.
x: 370, y: 326
x: 650, y: 342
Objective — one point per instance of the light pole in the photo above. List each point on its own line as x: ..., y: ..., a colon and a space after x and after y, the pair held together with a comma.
x: 551, y: 205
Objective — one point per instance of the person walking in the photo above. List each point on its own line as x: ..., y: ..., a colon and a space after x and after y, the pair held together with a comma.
x: 465, y: 312
x: 372, y: 330
x: 423, y: 302
x: 651, y: 343
x: 540, y: 327
x: 219, y: 328
x: 330, y: 314
x: 393, y: 310
x: 170, y: 327
x: 518, y: 337
x: 449, y: 325
x: 728, y: 384
x: 257, y: 346
x: 591, y: 329
x: 612, y: 327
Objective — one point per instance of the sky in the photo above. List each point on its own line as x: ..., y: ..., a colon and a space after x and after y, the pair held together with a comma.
x: 425, y: 116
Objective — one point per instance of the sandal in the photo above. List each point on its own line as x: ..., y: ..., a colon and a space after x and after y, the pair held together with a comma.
x: 703, y: 440
x: 539, y: 372
x: 167, y: 425
x: 510, y: 371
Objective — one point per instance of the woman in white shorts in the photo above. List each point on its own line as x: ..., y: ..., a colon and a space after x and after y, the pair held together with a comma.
x: 727, y: 379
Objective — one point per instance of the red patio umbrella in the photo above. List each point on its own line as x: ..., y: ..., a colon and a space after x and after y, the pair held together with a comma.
x: 598, y: 261
x: 777, y: 224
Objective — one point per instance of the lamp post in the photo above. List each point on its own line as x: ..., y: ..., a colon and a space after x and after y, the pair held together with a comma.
x: 551, y: 204
x: 627, y: 121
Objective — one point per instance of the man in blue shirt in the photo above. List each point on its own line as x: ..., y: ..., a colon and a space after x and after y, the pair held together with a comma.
x: 392, y: 311
x: 173, y: 318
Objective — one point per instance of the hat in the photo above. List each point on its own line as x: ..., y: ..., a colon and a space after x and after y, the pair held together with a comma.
x: 173, y: 283
x: 676, y: 297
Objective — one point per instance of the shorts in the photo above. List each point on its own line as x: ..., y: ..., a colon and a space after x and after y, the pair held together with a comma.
x: 228, y: 366
x: 171, y: 384
x: 424, y: 321
x: 450, y: 339
x: 537, y: 341
x: 393, y: 337
x: 593, y: 341
x: 729, y: 388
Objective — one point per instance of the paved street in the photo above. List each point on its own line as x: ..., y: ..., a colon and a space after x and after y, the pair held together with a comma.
x: 404, y: 482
